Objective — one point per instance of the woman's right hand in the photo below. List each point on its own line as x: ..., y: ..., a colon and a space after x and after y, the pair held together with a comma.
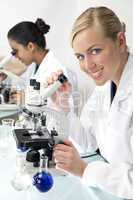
x: 61, y: 97
x: 67, y: 158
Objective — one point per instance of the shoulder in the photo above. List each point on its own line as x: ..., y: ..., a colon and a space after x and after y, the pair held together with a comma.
x: 30, y: 69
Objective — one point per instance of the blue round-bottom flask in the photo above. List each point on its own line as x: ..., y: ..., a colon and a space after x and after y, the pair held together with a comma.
x: 22, y: 149
x: 43, y: 181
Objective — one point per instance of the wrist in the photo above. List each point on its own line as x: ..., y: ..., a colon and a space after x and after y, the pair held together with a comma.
x: 82, y: 168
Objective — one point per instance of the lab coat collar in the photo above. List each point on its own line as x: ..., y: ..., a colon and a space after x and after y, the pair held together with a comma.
x: 126, y: 81
x: 125, y: 86
x: 48, y: 65
x: 46, y: 60
x: 42, y: 66
x: 123, y: 98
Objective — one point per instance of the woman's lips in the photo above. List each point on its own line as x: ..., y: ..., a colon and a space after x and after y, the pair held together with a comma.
x: 96, y: 74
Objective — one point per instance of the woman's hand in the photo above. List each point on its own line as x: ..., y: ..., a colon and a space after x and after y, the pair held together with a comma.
x: 67, y: 158
x: 61, y: 97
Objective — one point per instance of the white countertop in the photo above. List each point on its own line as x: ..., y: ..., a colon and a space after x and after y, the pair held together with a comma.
x: 65, y: 187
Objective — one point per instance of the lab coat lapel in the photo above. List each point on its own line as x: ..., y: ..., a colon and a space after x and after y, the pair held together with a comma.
x: 123, y: 100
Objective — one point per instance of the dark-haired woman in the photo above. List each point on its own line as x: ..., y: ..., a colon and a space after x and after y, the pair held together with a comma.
x: 27, y: 40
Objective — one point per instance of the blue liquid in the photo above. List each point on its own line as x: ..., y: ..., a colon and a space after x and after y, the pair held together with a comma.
x: 22, y: 149
x: 43, y: 181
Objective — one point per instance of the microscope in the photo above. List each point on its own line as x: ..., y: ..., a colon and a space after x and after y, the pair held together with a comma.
x: 4, y: 93
x: 34, y: 141
x: 5, y: 87
x: 38, y: 138
x: 35, y: 137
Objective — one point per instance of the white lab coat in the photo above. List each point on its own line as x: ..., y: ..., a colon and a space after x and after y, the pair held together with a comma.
x: 109, y: 128
x: 48, y: 65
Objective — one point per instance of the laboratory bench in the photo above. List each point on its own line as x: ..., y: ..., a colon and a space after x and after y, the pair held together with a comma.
x: 65, y: 187
x: 8, y: 112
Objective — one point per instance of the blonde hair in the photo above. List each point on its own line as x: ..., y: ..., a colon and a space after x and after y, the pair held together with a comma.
x: 108, y: 20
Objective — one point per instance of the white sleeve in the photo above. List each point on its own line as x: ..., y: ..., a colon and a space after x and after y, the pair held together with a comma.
x: 116, y: 179
x: 81, y: 130
x: 82, y: 137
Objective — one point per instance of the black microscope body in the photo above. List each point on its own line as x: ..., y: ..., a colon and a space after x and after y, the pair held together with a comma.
x: 5, y: 91
x: 37, y: 138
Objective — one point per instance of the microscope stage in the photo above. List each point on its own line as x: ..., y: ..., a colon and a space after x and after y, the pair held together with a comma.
x: 31, y: 139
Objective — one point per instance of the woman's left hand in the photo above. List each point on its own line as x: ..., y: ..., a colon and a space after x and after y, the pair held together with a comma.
x: 61, y: 97
x: 67, y: 158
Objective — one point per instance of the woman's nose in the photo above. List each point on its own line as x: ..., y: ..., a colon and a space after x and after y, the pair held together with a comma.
x: 88, y: 63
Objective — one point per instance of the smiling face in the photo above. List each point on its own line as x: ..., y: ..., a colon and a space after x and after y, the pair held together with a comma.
x: 24, y: 54
x: 99, y: 56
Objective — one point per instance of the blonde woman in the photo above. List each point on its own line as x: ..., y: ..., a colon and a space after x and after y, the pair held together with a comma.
x: 99, y: 43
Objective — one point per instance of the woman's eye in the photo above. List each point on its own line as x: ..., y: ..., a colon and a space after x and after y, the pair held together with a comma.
x: 80, y: 57
x: 95, y: 51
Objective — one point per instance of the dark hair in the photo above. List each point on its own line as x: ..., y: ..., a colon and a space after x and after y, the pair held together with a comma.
x: 26, y: 31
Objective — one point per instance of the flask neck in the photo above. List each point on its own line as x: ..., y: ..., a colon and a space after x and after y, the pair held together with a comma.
x: 44, y: 163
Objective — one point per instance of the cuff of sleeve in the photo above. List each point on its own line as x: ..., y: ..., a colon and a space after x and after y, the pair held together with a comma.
x: 108, y: 177
x: 92, y: 173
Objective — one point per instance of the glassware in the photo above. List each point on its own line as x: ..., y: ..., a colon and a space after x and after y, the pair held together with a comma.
x: 6, y: 139
x: 43, y: 180
x: 21, y: 180
x: 8, y: 122
x: 7, y: 125
x: 24, y: 121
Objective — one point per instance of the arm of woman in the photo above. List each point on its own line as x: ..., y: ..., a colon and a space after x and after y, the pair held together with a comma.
x: 116, y: 179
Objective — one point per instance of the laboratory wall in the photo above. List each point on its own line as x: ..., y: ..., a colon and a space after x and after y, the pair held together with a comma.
x: 60, y: 14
